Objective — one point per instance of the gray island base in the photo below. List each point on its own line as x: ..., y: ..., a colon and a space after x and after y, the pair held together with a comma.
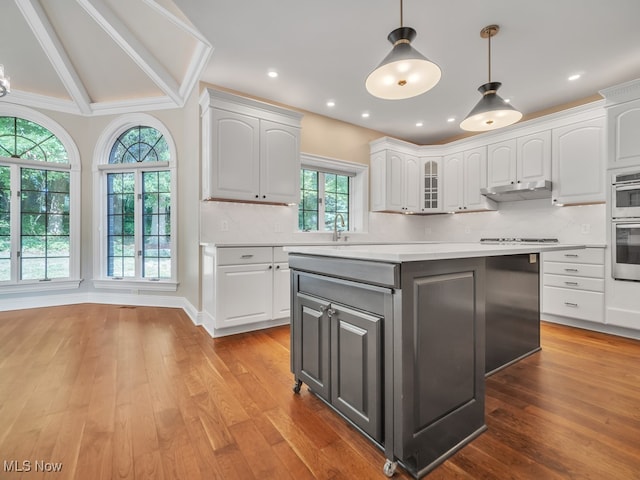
x: 398, y: 342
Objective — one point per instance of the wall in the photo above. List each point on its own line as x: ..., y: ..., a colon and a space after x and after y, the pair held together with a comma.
x: 584, y: 224
x: 85, y: 131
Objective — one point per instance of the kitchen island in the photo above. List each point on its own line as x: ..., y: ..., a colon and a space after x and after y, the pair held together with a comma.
x: 392, y: 337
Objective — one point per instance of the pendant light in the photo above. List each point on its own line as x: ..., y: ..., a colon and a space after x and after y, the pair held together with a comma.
x: 491, y: 112
x: 404, y: 72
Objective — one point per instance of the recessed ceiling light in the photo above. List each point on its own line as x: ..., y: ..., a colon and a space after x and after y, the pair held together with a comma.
x: 419, y: 124
x: 507, y: 100
x: 365, y: 114
x: 451, y: 119
x: 574, y: 77
x: 272, y: 73
x: 331, y: 103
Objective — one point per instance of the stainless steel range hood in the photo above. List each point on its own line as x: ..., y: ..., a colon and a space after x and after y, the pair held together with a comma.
x: 519, y: 191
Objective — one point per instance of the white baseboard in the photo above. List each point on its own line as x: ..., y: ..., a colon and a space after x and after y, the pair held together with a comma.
x: 595, y: 326
x: 55, y: 300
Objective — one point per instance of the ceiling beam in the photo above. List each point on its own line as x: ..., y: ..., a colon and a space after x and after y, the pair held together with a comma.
x: 132, y: 46
x: 37, y: 19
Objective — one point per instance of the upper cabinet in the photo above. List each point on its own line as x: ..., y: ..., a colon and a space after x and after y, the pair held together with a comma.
x: 520, y: 160
x: 465, y: 173
x: 624, y: 134
x: 431, y: 189
x: 250, y: 150
x: 395, y: 180
x: 578, y: 162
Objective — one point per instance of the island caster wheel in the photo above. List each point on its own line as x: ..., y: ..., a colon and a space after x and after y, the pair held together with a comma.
x: 389, y: 468
x: 296, y: 386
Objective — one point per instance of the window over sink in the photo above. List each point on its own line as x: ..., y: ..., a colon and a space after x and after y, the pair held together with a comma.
x: 331, y: 188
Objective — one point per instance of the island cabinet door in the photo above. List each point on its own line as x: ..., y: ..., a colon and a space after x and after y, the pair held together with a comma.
x: 356, y: 368
x: 311, y: 343
x: 439, y: 358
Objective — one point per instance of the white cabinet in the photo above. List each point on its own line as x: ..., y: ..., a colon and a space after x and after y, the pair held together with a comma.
x: 250, y: 150
x: 573, y: 285
x: 395, y: 180
x: 465, y: 173
x: 519, y: 160
x: 244, y: 286
x: 431, y: 188
x: 623, y: 126
x: 578, y: 167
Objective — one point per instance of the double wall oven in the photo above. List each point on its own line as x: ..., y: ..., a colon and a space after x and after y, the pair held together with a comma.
x: 625, y: 226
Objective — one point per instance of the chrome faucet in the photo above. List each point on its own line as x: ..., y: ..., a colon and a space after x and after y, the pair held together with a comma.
x: 336, y: 232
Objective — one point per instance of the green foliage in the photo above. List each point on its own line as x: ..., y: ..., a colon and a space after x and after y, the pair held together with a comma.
x: 20, y: 138
x: 140, y: 144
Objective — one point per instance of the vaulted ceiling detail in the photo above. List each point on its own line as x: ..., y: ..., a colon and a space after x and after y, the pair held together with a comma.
x: 100, y: 56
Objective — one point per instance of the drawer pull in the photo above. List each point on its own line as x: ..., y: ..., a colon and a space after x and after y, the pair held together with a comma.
x: 571, y: 284
x: 570, y: 269
x: 248, y: 255
x: 573, y: 255
x: 570, y: 304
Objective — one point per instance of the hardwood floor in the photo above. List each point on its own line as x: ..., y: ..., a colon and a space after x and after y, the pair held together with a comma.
x: 140, y: 393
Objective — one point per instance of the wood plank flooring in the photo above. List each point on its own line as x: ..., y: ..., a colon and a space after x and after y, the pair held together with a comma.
x: 115, y: 392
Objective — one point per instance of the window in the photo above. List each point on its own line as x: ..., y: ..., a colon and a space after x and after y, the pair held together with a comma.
x: 137, y: 196
x: 332, y: 188
x: 38, y: 221
x: 323, y: 196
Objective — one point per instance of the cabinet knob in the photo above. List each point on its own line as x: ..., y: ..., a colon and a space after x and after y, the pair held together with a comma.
x: 270, y: 267
x: 277, y: 267
x: 257, y: 196
x: 512, y: 183
x: 264, y: 196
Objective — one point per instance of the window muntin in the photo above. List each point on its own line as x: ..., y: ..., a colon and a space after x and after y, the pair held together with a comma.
x: 139, y: 243
x: 20, y: 138
x: 45, y: 248
x: 5, y: 224
x: 121, y: 248
x: 323, y: 195
x: 140, y: 144
x: 156, y: 220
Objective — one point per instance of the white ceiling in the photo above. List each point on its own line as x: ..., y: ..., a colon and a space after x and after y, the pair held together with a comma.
x: 104, y: 56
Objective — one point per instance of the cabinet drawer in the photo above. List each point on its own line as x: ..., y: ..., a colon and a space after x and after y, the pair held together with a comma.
x: 574, y: 269
x: 579, y: 283
x: 280, y: 256
x: 583, y: 255
x: 244, y: 255
x: 573, y: 303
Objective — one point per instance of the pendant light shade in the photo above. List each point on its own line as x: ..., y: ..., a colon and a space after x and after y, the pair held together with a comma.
x: 491, y: 112
x: 404, y: 72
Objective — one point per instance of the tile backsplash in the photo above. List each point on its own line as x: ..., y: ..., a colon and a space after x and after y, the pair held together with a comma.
x: 228, y: 222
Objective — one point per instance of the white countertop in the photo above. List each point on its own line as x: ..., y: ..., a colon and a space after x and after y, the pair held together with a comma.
x: 398, y: 253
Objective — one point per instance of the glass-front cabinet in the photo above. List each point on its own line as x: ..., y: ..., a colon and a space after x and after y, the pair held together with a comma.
x: 431, y: 185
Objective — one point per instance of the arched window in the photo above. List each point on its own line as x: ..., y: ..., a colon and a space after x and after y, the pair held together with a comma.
x: 136, y: 174
x: 39, y: 195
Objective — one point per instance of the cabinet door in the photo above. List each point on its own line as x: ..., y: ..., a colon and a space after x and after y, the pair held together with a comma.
x: 475, y: 178
x: 378, y: 192
x: 235, y: 156
x: 395, y: 182
x: 623, y: 127
x: 356, y: 367
x: 281, y: 290
x: 431, y: 188
x: 244, y: 294
x: 280, y: 163
x: 578, y: 163
x: 501, y: 163
x: 534, y: 157
x: 412, y: 181
x: 453, y: 172
x: 311, y: 343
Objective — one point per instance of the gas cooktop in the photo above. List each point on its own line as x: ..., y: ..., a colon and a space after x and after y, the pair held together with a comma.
x: 518, y: 240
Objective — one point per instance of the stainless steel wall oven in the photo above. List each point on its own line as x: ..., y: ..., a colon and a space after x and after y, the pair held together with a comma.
x: 625, y: 226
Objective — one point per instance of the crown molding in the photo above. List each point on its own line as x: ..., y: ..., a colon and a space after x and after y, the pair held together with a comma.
x: 624, y: 92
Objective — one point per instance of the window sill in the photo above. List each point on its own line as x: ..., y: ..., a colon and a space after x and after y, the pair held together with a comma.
x: 145, y: 285
x: 38, y: 286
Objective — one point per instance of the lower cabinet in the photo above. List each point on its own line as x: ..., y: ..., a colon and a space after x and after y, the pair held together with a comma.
x: 245, y: 285
x: 574, y: 285
x: 339, y: 357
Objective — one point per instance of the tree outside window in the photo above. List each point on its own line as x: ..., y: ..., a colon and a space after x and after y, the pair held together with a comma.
x: 323, y: 195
